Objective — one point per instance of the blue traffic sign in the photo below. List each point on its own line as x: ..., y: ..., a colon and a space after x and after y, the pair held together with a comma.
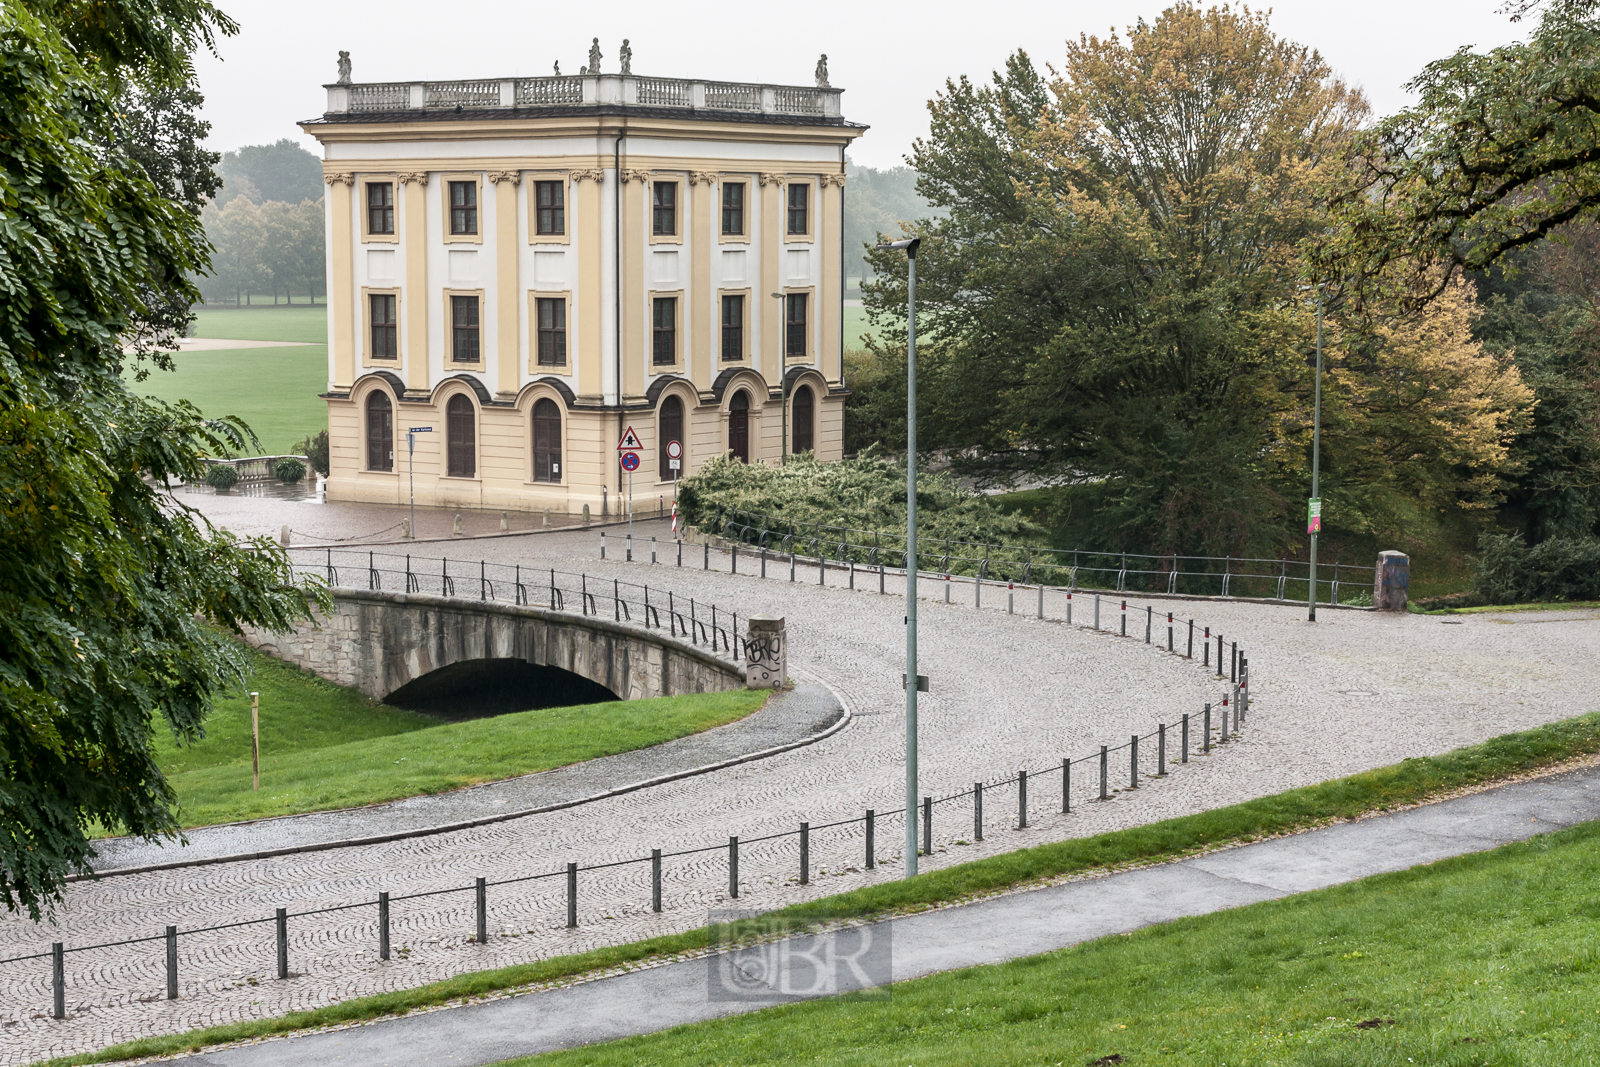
x: 630, y: 461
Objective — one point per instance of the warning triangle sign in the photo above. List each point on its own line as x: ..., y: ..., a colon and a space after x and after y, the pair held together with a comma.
x: 629, y: 442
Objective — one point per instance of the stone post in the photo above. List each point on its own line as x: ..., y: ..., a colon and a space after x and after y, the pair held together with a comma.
x: 767, y: 661
x: 1391, y: 582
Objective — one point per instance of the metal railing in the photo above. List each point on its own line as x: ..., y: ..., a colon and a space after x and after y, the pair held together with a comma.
x: 1119, y: 572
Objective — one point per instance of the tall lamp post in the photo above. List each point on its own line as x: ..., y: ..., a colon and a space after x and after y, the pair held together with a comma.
x: 1314, y: 512
x: 911, y: 679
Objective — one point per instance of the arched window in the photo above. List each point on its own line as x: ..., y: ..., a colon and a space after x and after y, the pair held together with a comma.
x: 739, y: 426
x: 462, y: 443
x: 669, y: 427
x: 804, y: 418
x: 380, y: 431
x: 546, y: 441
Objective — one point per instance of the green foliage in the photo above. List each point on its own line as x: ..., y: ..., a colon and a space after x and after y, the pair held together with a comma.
x: 270, y: 246
x: 107, y: 585
x: 289, y: 470
x: 1403, y: 783
x: 807, y: 498
x: 878, y: 203
x: 1559, y: 568
x: 282, y: 171
x: 315, y: 448
x: 222, y: 476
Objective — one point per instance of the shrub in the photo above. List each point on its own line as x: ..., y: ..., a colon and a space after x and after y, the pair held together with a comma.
x: 289, y: 470
x: 315, y: 448
x: 221, y: 477
x: 1561, y: 568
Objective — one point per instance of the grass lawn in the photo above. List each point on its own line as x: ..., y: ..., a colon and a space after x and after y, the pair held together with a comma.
x: 273, y: 389
x: 1483, y: 959
x: 300, y: 322
x: 325, y: 747
x: 856, y: 324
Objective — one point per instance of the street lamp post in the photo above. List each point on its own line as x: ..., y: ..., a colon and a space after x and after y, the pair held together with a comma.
x: 911, y: 679
x: 1315, y: 521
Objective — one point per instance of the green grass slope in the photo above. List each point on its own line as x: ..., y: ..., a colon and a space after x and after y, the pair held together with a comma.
x: 275, y: 390
x: 297, y: 323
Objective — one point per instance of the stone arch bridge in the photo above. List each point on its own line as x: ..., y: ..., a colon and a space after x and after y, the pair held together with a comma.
x: 378, y: 642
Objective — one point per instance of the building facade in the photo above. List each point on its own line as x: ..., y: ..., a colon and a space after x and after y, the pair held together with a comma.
x: 529, y: 266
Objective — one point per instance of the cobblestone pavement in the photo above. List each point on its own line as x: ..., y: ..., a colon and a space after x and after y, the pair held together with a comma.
x: 1354, y: 691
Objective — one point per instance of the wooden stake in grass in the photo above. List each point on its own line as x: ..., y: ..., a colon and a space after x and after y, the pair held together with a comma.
x: 255, y: 740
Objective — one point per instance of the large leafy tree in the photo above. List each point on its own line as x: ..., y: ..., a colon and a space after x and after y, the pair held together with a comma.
x: 115, y: 600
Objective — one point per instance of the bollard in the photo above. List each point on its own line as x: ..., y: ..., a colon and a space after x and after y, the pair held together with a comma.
x: 1103, y: 794
x: 927, y: 826
x: 283, y: 942
x: 482, y: 894
x: 1124, y: 618
x: 1205, y: 649
x: 805, y: 853
x: 1161, y: 750
x: 1233, y: 661
x: 1205, y: 746
x: 652, y: 549
x: 977, y: 811
x: 791, y: 564
x: 1219, y: 655
x: 1190, y: 653
x: 172, y: 963
x: 602, y: 544
x: 852, y: 575
x: 58, y: 974
x: 1097, y: 611
x: 1224, y: 738
x: 1066, y: 787
x: 1069, y: 607
x: 734, y: 567
x: 586, y: 514
x: 977, y: 592
x: 880, y: 579
x: 629, y: 558
x: 383, y: 926
x: 1022, y: 800
x: 1011, y: 599
x: 947, y: 589
x: 1185, y: 757
x: 872, y: 860
x: 547, y: 516
x: 505, y: 522
x: 733, y: 867
x: 822, y: 569
x: 1041, y: 602
x: 680, y: 553
x: 1133, y: 761
x: 1149, y: 613
x: 572, y: 896
x: 1169, y: 631
x: 458, y: 522
x: 763, y: 561
x: 708, y: 556
x: 655, y: 879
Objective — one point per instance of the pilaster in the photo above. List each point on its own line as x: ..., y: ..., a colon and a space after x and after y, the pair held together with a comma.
x: 415, y: 302
x: 508, y: 283
x: 341, y: 279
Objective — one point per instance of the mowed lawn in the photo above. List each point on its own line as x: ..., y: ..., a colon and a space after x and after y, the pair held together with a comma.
x: 275, y: 390
x: 1486, y: 959
x: 323, y: 746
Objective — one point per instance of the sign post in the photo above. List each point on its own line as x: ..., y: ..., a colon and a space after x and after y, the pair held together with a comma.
x: 630, y: 446
x: 411, y: 472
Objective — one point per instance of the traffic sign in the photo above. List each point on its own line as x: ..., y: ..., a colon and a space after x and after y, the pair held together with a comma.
x: 674, y: 450
x: 674, y: 464
x: 630, y: 442
x: 630, y: 461
x: 420, y: 429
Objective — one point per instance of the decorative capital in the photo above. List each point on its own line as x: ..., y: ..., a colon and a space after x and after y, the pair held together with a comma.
x: 414, y: 177
x: 512, y: 176
x: 833, y: 179
x: 337, y: 177
x: 698, y: 176
x: 770, y: 179
x: 596, y: 176
x: 634, y: 175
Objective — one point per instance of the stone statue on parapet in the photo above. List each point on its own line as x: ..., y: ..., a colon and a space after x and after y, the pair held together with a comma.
x: 558, y: 68
x: 822, y: 72
x: 626, y: 56
x: 594, y: 57
x: 344, y: 68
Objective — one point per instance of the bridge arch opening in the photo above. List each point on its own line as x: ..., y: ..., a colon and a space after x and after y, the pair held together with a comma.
x: 481, y: 688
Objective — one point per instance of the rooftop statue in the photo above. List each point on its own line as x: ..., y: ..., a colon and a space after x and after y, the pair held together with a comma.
x: 594, y: 57
x: 822, y: 72
x: 626, y: 55
x: 344, y: 68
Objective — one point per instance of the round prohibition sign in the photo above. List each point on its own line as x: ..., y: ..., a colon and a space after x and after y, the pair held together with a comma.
x: 674, y: 450
x: 630, y: 461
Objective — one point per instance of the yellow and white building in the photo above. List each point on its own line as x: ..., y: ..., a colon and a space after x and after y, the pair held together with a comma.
x: 530, y: 265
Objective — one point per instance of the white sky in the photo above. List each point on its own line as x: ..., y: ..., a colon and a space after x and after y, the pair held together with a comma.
x: 890, y: 58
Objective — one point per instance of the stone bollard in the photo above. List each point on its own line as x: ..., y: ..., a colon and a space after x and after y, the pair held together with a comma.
x: 1392, y: 582
x: 405, y: 529
x: 547, y: 516
x: 458, y: 522
x: 505, y: 521
x: 586, y: 514
x: 767, y: 660
x: 283, y: 536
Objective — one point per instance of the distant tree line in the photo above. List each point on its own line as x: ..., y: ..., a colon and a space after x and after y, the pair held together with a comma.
x: 266, y: 225
x: 877, y: 202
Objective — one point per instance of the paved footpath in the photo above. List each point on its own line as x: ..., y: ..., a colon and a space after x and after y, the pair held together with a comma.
x: 991, y: 931
x: 1354, y: 691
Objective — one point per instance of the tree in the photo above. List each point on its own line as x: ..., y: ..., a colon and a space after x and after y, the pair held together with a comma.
x: 1500, y: 150
x: 281, y: 171
x: 116, y: 601
x: 876, y: 202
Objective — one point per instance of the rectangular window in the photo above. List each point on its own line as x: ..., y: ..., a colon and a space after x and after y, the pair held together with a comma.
x: 733, y: 209
x: 732, y: 329
x: 664, y: 331
x: 463, y: 208
x: 664, y: 209
x: 550, y: 204
x: 464, y: 329
x: 380, y: 207
x: 794, y: 325
x: 552, y: 312
x: 799, y: 223
x: 385, y: 339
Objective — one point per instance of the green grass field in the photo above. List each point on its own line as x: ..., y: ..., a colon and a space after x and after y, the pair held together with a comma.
x: 297, y: 323
x: 323, y: 746
x: 1485, y: 959
x: 275, y: 390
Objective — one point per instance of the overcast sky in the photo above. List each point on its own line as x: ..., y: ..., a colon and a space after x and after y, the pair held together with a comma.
x: 890, y: 58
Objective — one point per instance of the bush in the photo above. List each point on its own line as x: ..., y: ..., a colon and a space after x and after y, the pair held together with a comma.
x: 1561, y: 568
x: 221, y: 477
x: 315, y: 449
x: 289, y: 470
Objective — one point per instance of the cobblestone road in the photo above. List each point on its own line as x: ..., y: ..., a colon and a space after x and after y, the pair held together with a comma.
x: 1354, y: 691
